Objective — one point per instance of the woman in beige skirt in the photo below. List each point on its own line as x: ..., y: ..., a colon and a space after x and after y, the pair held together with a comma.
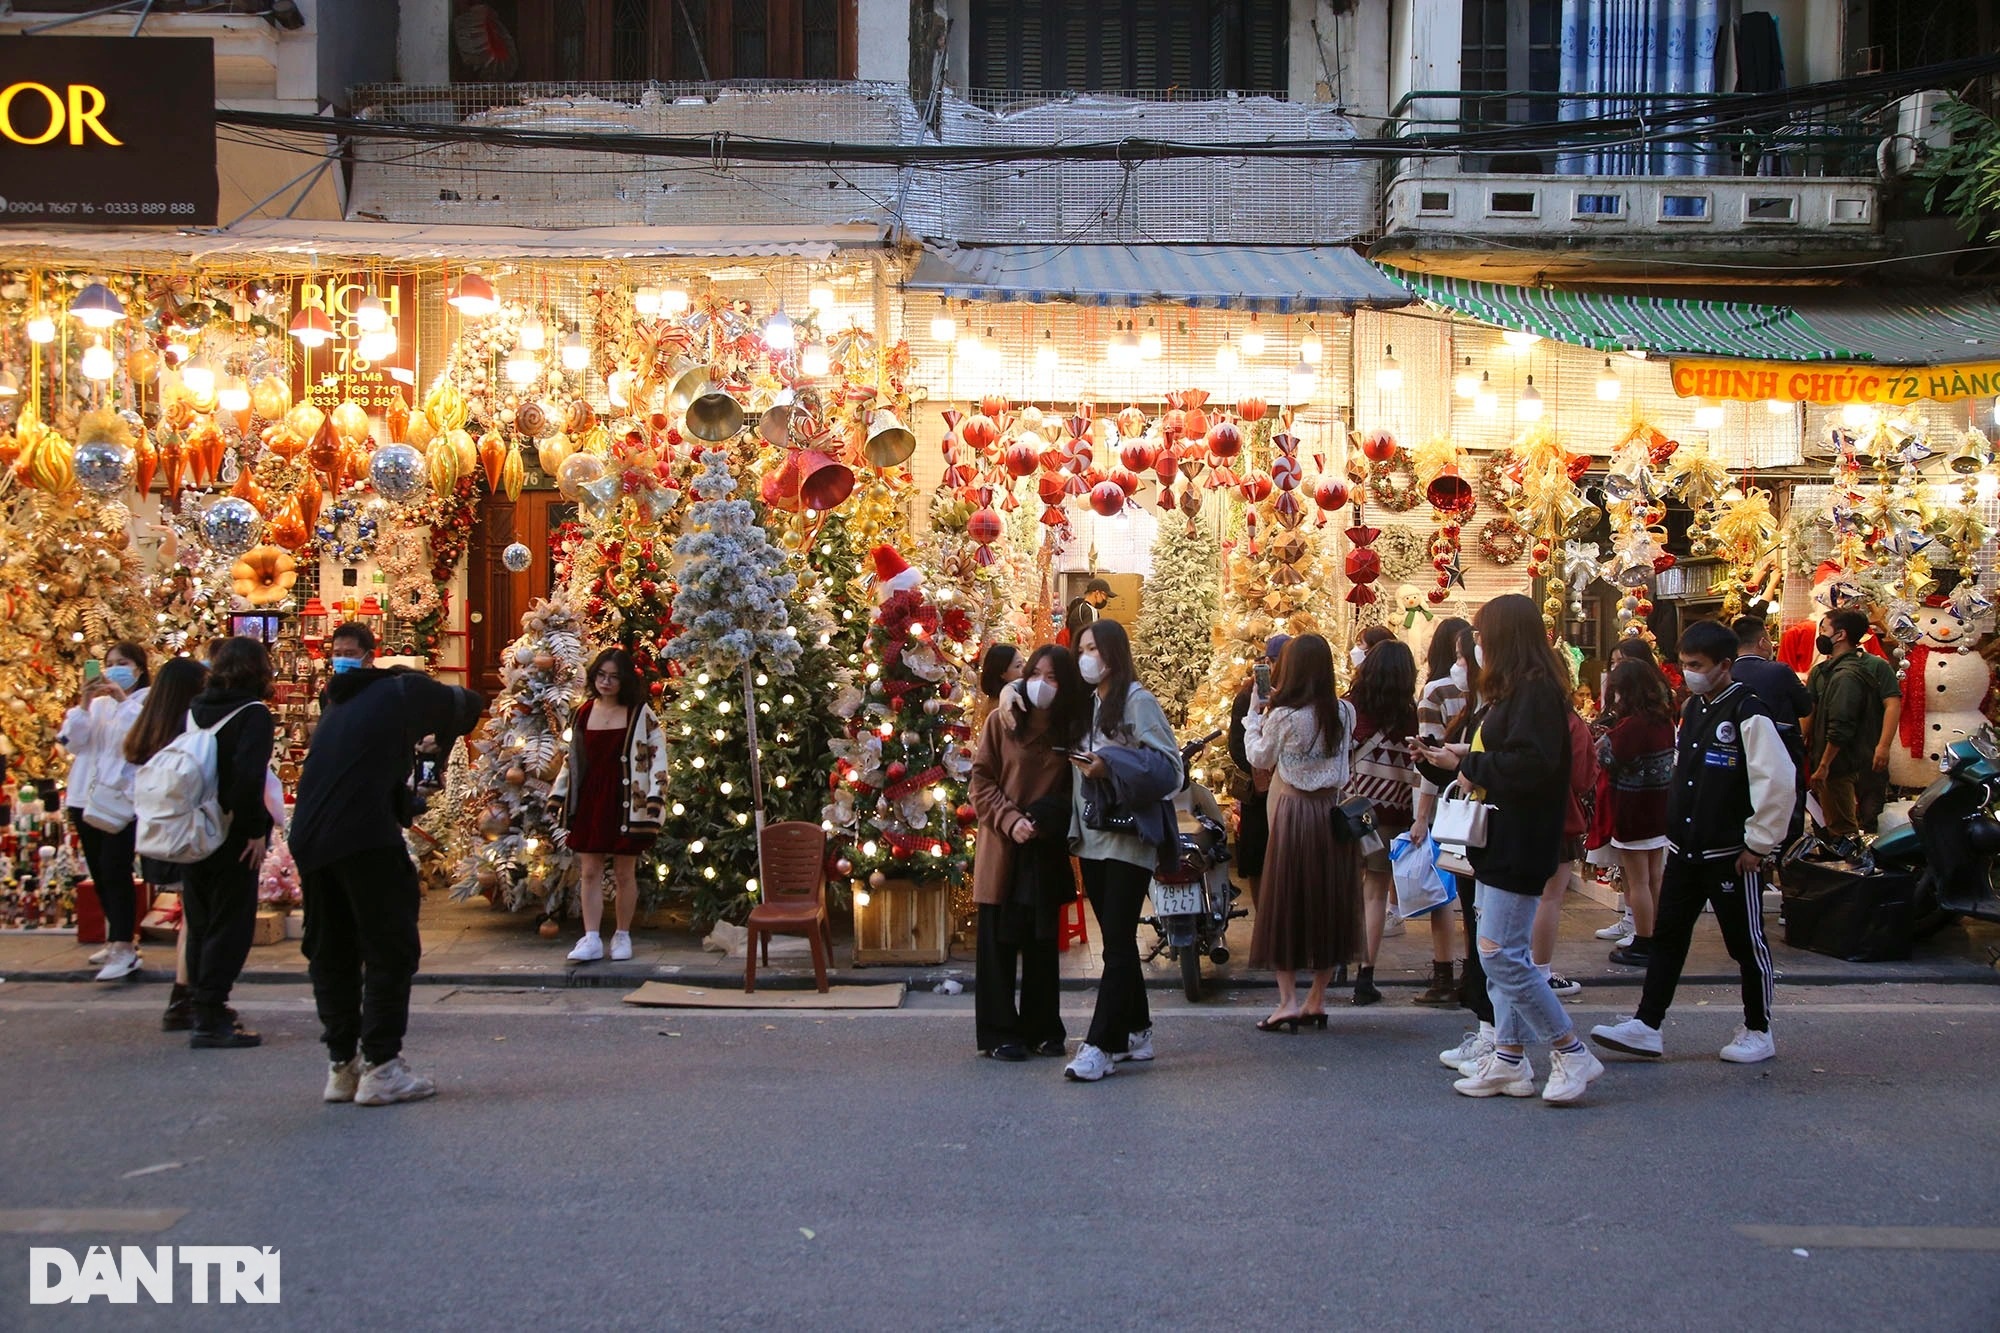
x: 1309, y: 903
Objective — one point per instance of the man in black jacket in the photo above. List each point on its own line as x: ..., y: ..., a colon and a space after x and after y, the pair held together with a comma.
x: 358, y: 881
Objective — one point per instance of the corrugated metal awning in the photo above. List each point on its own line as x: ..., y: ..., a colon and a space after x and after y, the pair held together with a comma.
x: 1224, y: 277
x: 1907, y: 329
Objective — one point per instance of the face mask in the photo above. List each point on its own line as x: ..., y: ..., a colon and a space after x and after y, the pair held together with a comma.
x: 1479, y: 656
x: 1824, y: 643
x: 342, y: 665
x: 1041, y: 693
x: 1357, y: 655
x: 124, y: 677
x: 1092, y: 667
x: 1700, y: 682
x: 1460, y: 676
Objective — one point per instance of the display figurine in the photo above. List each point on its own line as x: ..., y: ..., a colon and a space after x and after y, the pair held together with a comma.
x: 1946, y: 687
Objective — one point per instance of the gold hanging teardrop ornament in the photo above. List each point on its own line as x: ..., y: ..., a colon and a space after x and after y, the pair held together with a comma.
x: 271, y: 398
x: 493, y: 455
x: 468, y: 450
x: 397, y: 418
x: 350, y: 423
x: 446, y: 406
x: 551, y: 452
x: 304, y: 420
x: 444, y: 467
x: 513, y: 474
x: 422, y: 430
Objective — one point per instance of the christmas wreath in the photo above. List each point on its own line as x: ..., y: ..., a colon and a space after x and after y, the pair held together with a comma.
x: 1494, y: 486
x: 1393, y: 485
x: 1502, y: 540
x: 1404, y: 551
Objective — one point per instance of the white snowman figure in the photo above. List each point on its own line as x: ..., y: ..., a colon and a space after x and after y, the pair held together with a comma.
x: 1944, y: 691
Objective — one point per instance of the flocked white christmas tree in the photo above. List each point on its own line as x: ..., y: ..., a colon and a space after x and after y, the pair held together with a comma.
x: 1174, y: 640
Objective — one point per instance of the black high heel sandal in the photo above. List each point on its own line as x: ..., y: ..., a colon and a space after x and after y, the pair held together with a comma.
x: 1290, y: 1025
x: 1317, y: 1020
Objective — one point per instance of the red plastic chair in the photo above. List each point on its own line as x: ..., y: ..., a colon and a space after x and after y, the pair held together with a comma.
x: 1069, y: 922
x: 793, y: 899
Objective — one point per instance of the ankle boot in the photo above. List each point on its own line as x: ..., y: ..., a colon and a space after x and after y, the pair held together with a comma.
x: 1443, y: 990
x: 179, y: 1016
x: 218, y: 1028
x: 1364, y: 987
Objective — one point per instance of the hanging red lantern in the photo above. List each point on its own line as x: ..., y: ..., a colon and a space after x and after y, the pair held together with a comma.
x: 979, y: 432
x: 1377, y: 446
x: 991, y: 406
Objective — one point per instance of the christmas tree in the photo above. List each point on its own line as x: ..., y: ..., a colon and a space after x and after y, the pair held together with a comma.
x: 899, y: 795
x: 500, y: 811
x: 1173, y: 641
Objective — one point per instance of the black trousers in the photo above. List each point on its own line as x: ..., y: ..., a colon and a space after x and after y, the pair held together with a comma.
x: 1007, y: 940
x: 1472, y: 980
x: 218, y: 916
x: 1117, y: 893
x: 109, y: 856
x: 362, y: 946
x: 1739, y: 910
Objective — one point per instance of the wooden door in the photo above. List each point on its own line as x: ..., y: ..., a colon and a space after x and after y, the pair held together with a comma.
x: 497, y: 597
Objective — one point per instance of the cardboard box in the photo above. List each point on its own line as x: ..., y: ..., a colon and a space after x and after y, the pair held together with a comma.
x: 270, y: 928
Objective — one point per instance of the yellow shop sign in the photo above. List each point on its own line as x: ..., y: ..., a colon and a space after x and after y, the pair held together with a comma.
x: 1834, y: 382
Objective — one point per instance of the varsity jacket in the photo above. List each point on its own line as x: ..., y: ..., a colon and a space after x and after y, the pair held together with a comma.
x: 1733, y: 779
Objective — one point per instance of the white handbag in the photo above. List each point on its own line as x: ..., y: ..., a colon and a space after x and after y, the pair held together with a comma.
x: 1461, y: 821
x: 108, y: 808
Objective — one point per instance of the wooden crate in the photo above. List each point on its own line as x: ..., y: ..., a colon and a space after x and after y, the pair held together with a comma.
x: 903, y: 922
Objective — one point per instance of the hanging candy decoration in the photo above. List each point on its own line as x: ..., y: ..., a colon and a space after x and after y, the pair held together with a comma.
x: 1225, y: 441
x: 1195, y: 419
x: 1125, y: 480
x: 1363, y: 564
x: 1131, y: 423
x: 979, y: 432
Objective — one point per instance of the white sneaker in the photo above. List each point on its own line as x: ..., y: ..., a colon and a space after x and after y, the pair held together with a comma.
x: 1630, y: 1036
x: 1625, y: 940
x: 1570, y: 1075
x: 120, y: 961
x: 1474, y: 1047
x: 1494, y: 1077
x: 1089, y: 1065
x: 588, y: 949
x: 391, y: 1081
x: 1138, y: 1047
x: 1749, y: 1048
x: 1618, y: 929
x: 342, y: 1080
x: 1393, y: 926
x: 97, y: 959
x: 621, y: 946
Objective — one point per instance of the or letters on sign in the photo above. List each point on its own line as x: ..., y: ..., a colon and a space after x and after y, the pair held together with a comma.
x: 80, y: 110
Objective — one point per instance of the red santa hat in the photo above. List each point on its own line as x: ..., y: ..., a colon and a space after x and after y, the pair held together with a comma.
x: 1828, y: 569
x: 892, y: 572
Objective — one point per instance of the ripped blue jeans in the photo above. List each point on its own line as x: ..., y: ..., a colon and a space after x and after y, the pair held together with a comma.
x: 1524, y: 1008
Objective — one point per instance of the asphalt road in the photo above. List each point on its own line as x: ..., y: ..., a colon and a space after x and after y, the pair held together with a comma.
x: 590, y: 1165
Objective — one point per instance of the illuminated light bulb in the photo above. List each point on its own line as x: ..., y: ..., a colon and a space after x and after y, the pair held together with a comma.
x: 1226, y: 356
x: 311, y: 327
x: 1300, y: 381
x: 1520, y: 339
x: 727, y: 789
x: 938, y: 793
x: 944, y: 329
x: 1860, y: 416
x: 98, y: 363
x: 618, y: 388
x: 646, y: 301
x: 719, y: 734
x: 679, y: 809
x: 821, y: 297
x: 970, y: 349
x: 708, y: 872
x: 234, y: 395
x: 1486, y: 402
x: 370, y: 315
x: 534, y: 336
x: 697, y: 847
x: 1777, y: 407
x: 377, y: 346
x: 1149, y: 343
x: 1124, y: 348
x: 1609, y: 386
x: 566, y: 733
x: 698, y: 762
x: 473, y: 297
x: 1310, y: 349
x: 97, y: 307
x: 778, y: 781
x: 673, y: 299
x: 703, y: 679
x: 1528, y: 406
x: 521, y: 368
x: 815, y: 360
x: 1254, y: 342
x: 1986, y: 487
x: 869, y: 848
x: 531, y: 843
x: 1707, y: 416
x: 861, y: 898
x: 750, y: 884
x: 199, y: 377
x: 1465, y: 384
x: 762, y: 680
x: 1047, y: 354
x: 42, y: 329
x: 1389, y: 373
x: 788, y: 700
x: 574, y: 352
x: 778, y: 334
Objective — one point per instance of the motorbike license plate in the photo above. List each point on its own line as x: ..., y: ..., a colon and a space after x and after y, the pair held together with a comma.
x: 1176, y: 899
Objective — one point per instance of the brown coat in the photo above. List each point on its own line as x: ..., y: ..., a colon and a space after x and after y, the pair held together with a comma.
x: 1009, y: 773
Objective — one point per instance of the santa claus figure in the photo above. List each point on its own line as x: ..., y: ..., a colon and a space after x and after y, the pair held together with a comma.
x: 1945, y: 692
x: 893, y: 574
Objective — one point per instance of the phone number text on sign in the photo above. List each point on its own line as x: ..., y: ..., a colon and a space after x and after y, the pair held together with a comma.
x: 150, y: 208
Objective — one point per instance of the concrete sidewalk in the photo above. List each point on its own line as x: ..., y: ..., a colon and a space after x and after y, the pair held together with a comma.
x: 474, y: 944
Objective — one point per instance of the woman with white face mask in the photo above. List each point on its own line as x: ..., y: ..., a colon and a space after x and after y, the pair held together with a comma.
x: 1445, y: 697
x: 94, y: 731
x: 1021, y: 875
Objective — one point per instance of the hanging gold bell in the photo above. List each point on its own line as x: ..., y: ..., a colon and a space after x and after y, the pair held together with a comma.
x: 889, y: 441
x: 713, y: 416
x: 1969, y: 457
x: 774, y: 424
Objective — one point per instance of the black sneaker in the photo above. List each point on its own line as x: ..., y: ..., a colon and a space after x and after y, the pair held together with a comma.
x: 1631, y: 956
x: 1052, y: 1047
x: 1012, y: 1052
x: 1563, y: 986
x: 228, y: 1035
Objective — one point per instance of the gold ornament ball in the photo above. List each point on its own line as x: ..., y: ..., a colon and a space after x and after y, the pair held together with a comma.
x: 549, y: 929
x: 516, y: 776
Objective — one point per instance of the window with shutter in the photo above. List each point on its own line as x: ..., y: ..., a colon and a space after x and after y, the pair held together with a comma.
x: 693, y: 40
x: 1031, y: 46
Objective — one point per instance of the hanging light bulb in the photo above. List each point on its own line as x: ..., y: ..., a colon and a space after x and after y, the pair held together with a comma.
x: 1609, y: 386
x: 370, y: 315
x: 1520, y: 339
x: 944, y: 329
x: 472, y: 296
x: 1389, y: 372
x: 575, y: 352
x: 1465, y: 384
x: 778, y: 335
x: 1253, y: 341
x: 1125, y: 347
x: 1485, y: 401
x: 521, y: 367
x: 673, y: 300
x: 815, y: 360
x: 646, y: 301
x: 41, y: 328
x: 98, y: 363
x: 97, y: 307
x: 377, y: 346
x: 1300, y: 381
x: 1860, y: 416
x: 618, y: 388
x: 233, y: 395
x: 1528, y: 405
x: 1309, y: 347
x: 311, y: 327
x: 1707, y: 415
x: 970, y: 348
x: 821, y: 297
x: 1149, y: 342
x: 199, y: 377
x: 1047, y: 354
x: 1226, y: 356
x: 1777, y: 407
x: 534, y: 336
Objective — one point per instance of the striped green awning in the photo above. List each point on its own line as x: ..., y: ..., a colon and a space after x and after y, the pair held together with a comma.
x: 1913, y: 329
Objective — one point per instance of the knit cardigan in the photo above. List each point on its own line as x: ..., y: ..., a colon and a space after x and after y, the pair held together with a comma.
x: 643, y: 783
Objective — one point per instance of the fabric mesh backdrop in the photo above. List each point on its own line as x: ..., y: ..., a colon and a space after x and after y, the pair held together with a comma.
x: 1813, y: 496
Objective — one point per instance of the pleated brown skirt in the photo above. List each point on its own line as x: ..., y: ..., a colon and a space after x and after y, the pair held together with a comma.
x: 1309, y: 900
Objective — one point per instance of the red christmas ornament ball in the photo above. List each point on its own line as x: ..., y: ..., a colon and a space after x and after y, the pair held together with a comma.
x: 1107, y: 498
x: 1225, y: 440
x: 1378, y: 446
x: 1330, y: 494
x: 983, y: 527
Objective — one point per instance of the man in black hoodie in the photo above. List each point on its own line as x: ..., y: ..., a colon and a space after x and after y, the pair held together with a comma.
x: 359, y: 883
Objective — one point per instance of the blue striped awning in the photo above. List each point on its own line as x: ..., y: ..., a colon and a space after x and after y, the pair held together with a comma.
x: 1279, y: 279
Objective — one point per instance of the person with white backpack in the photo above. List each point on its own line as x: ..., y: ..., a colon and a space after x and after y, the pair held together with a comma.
x: 228, y: 822
x: 98, y: 798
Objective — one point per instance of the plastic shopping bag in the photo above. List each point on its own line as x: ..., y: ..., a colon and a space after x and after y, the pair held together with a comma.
x: 1420, y: 888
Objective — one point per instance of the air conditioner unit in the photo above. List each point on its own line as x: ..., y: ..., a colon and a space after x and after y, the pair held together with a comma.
x: 1920, y: 130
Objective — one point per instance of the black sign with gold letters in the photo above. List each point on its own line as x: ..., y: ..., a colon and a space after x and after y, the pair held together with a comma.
x: 107, y: 131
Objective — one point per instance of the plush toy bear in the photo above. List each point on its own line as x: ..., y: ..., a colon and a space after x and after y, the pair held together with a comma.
x: 1945, y: 690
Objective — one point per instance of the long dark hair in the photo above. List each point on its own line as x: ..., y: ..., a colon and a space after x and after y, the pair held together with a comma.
x: 164, y: 714
x: 1516, y: 648
x: 1305, y: 683
x: 1385, y: 689
x: 1114, y: 649
x: 1443, y: 655
x: 993, y: 666
x: 240, y: 665
x: 136, y: 655
x: 631, y: 690
x: 1069, y: 715
x: 1637, y: 688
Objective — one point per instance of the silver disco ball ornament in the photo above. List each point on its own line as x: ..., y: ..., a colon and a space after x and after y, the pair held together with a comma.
x: 397, y: 472
x: 231, y: 526
x: 103, y: 468
x: 517, y: 558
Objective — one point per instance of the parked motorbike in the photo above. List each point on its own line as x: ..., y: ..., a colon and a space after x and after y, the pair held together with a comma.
x: 1872, y: 906
x: 1193, y: 900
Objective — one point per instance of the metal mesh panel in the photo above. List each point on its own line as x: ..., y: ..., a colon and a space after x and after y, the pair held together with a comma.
x: 1813, y: 498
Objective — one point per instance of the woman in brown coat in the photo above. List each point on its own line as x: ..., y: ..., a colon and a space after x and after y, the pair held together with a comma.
x: 1021, y: 874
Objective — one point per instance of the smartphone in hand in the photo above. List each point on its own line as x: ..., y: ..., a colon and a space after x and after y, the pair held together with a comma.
x: 1262, y: 672
x: 92, y: 669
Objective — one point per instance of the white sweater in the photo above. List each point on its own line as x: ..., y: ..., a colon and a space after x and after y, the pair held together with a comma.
x: 96, y: 737
x: 1287, y: 739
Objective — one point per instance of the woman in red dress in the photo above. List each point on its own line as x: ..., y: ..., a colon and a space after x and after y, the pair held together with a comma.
x: 610, y: 795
